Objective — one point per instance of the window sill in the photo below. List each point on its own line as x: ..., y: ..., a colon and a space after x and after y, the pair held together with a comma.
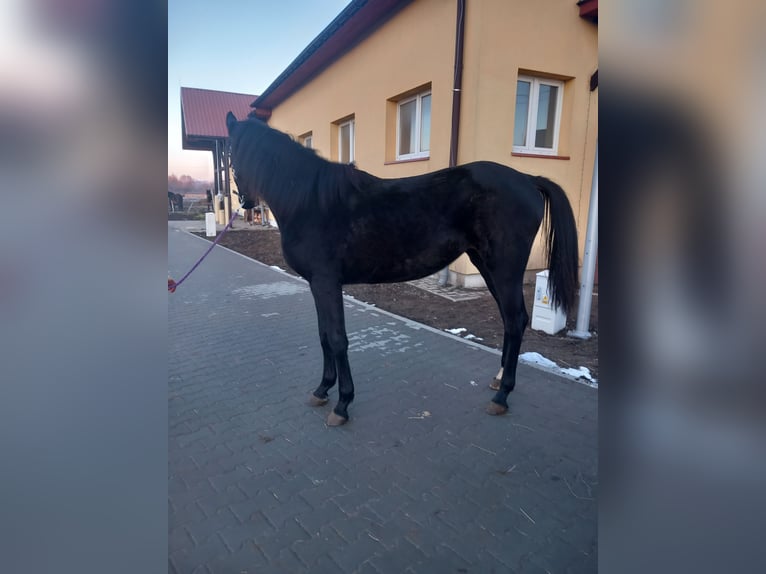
x: 410, y: 160
x: 540, y: 155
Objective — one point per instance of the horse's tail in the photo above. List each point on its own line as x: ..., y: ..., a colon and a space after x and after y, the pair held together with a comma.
x: 560, y: 243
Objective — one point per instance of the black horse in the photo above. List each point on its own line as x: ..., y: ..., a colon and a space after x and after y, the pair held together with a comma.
x: 341, y: 225
x: 175, y: 202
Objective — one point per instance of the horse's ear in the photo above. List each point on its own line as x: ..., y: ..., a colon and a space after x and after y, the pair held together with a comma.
x: 231, y: 121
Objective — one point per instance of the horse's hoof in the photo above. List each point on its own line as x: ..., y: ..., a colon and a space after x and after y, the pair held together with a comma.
x: 495, y: 409
x: 334, y: 420
x: 495, y: 385
x: 315, y: 401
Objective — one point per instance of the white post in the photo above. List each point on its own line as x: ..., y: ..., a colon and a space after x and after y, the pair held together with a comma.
x: 210, y: 224
x: 589, y: 261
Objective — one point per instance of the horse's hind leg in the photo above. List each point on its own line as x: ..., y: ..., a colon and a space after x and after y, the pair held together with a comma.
x: 328, y: 298
x: 515, y: 320
x: 479, y: 263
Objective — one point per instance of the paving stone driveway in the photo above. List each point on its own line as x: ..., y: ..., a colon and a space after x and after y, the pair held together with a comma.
x: 419, y: 480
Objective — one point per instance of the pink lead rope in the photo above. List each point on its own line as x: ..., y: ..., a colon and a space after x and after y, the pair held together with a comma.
x: 172, y: 285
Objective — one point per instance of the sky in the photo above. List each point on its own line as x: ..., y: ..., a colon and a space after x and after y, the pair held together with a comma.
x: 233, y: 46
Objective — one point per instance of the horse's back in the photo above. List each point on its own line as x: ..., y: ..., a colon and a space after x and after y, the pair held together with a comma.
x: 476, y: 184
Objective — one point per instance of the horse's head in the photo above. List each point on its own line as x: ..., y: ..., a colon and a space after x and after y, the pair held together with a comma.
x: 247, y: 200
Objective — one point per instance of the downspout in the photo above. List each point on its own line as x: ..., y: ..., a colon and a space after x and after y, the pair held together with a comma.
x: 587, y: 276
x: 589, y: 261
x: 456, y: 93
x: 456, y: 88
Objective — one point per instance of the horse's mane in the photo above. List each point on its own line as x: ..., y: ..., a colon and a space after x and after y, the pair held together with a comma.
x: 288, y: 175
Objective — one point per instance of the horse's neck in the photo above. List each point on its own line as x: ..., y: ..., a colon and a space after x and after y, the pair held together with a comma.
x: 284, y: 219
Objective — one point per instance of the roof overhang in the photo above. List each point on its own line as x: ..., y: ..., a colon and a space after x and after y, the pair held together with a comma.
x: 196, y: 143
x: 200, y: 144
x: 355, y: 23
x: 203, y: 116
x: 589, y: 10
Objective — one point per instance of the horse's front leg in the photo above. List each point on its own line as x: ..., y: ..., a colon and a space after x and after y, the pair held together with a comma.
x: 328, y: 298
x: 329, y: 373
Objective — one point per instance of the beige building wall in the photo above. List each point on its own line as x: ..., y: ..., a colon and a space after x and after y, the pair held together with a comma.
x: 402, y: 55
x: 416, y: 48
x: 546, y: 39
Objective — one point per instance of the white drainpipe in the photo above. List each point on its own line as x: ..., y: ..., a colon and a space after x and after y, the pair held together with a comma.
x: 589, y: 261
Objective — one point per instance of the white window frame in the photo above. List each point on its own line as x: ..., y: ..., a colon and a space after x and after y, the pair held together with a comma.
x: 352, y: 142
x: 418, y: 120
x: 308, y: 141
x: 534, y: 93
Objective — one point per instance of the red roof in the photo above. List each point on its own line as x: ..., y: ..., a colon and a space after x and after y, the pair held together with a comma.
x: 203, y: 115
x: 589, y: 10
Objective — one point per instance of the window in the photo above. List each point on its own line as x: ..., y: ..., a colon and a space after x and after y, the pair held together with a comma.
x: 346, y: 141
x: 413, y: 127
x: 538, y: 115
x: 308, y: 140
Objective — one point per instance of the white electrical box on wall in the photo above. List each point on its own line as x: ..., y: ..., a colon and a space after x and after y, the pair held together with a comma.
x: 544, y: 317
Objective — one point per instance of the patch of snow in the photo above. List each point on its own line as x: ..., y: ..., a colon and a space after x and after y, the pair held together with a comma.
x: 463, y: 332
x: 456, y: 331
x: 538, y: 359
x: 469, y: 336
x: 579, y: 373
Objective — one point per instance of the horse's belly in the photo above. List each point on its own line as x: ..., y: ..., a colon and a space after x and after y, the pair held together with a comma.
x: 394, y: 267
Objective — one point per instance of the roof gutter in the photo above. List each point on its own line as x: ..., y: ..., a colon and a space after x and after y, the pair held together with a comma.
x: 589, y: 10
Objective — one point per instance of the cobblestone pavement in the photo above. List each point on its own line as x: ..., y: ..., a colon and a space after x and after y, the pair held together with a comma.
x: 419, y: 480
